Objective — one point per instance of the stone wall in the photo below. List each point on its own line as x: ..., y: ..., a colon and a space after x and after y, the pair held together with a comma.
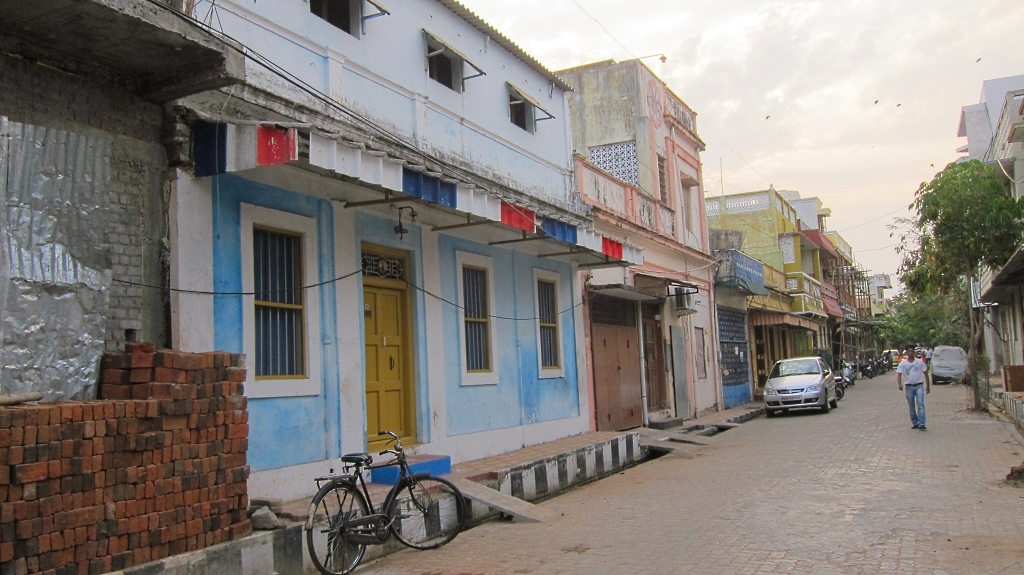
x: 137, y: 198
x: 96, y: 486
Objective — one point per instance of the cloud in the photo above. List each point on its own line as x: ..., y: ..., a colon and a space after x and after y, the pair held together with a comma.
x: 816, y: 68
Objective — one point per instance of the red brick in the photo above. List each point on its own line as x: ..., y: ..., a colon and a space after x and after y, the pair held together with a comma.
x: 115, y: 376
x: 165, y: 375
x: 141, y: 375
x: 28, y: 472
x: 143, y: 359
x: 236, y: 374
x: 238, y: 431
x: 134, y: 347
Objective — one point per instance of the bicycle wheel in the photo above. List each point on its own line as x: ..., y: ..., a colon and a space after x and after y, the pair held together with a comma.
x: 332, y: 510
x: 428, y: 512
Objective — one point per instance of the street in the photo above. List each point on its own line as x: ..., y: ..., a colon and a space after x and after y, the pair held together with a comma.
x: 856, y: 491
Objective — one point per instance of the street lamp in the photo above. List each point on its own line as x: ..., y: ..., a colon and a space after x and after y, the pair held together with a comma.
x: 662, y: 57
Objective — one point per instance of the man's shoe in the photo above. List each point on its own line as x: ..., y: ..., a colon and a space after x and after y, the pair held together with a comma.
x: 922, y: 428
x: 915, y: 426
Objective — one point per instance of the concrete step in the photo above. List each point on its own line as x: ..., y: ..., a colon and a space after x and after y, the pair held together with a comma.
x: 519, y: 509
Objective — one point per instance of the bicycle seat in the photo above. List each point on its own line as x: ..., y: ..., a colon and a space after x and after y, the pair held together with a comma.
x: 357, y: 458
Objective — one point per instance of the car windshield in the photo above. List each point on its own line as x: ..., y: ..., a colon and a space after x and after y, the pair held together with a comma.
x: 798, y: 367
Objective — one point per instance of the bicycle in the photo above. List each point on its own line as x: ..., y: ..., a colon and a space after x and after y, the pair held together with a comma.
x: 421, y: 511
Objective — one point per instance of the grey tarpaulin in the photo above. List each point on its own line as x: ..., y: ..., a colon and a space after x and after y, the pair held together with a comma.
x: 54, y: 260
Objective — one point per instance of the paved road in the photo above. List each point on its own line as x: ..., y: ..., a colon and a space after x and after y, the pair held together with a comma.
x: 852, y: 492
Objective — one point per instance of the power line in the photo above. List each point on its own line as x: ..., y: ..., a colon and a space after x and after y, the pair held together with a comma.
x: 869, y: 221
x: 606, y: 31
x: 726, y: 144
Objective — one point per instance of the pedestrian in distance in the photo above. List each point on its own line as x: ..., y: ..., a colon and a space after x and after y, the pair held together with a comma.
x: 928, y: 357
x: 918, y: 383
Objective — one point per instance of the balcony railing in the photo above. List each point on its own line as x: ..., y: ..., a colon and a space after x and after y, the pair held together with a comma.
x: 601, y: 190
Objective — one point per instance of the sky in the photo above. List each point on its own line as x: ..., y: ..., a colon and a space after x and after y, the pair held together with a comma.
x: 785, y: 91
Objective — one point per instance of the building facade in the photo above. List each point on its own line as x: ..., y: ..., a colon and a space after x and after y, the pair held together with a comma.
x: 383, y: 220
x: 790, y: 319
x: 651, y: 328
x: 994, y: 129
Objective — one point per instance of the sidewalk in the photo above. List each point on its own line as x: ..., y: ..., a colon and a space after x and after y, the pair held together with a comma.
x: 531, y: 474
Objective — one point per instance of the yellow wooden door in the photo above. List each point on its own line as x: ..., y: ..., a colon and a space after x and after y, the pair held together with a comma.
x: 389, y: 396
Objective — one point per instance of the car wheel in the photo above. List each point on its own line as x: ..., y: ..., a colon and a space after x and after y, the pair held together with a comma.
x: 835, y: 402
x: 825, y: 406
x: 769, y: 413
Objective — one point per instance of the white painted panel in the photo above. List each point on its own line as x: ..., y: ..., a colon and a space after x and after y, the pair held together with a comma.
x: 349, y: 160
x: 371, y: 166
x: 391, y: 174
x: 323, y: 152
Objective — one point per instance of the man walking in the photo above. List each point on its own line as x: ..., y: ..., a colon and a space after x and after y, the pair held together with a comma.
x: 915, y: 371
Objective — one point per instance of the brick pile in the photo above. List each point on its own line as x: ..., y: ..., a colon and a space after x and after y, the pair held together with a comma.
x: 155, y: 469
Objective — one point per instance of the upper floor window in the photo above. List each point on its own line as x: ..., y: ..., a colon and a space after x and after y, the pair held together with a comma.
x: 343, y: 14
x: 523, y: 110
x: 663, y: 179
x: 445, y: 64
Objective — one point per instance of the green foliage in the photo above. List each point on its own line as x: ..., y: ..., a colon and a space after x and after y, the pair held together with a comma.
x: 965, y: 219
x: 928, y: 319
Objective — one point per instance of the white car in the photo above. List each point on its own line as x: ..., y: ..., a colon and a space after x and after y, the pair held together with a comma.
x: 798, y: 383
x: 948, y: 364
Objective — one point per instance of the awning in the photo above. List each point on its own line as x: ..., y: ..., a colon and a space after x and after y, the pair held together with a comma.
x: 832, y: 306
x: 821, y: 241
x: 526, y: 98
x: 225, y: 148
x: 629, y: 292
x: 760, y: 318
x: 1012, y: 274
x: 663, y: 273
x: 448, y: 48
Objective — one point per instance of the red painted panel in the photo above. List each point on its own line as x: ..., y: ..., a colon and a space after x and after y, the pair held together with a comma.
x: 518, y: 217
x: 611, y: 248
x: 276, y: 146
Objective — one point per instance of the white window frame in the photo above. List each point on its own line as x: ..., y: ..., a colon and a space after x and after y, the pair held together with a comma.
x: 258, y: 216
x: 485, y: 263
x: 552, y: 277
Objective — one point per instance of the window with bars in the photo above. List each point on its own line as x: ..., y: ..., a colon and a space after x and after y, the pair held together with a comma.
x: 477, y: 320
x: 547, y: 315
x: 663, y: 179
x: 279, y: 303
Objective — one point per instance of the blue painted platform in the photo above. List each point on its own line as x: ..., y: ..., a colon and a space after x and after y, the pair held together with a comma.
x: 432, y: 464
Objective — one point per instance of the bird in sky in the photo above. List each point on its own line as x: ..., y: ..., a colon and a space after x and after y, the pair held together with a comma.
x: 766, y: 117
x: 978, y: 60
x: 876, y: 101
x: 932, y: 165
x: 898, y: 105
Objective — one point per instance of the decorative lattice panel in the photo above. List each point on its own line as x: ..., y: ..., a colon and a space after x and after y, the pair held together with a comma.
x: 380, y: 266
x: 787, y: 249
x: 711, y: 207
x: 747, y: 203
x: 807, y: 262
x: 618, y: 160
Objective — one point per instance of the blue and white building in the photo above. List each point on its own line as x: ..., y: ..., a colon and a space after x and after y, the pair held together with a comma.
x: 382, y: 217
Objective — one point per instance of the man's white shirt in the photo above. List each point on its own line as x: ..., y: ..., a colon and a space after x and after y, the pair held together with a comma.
x: 913, y: 371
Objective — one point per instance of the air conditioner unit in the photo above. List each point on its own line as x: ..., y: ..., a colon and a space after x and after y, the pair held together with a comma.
x: 684, y: 301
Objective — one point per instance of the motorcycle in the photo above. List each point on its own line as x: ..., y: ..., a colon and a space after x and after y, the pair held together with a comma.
x: 849, y: 374
x: 840, y: 386
x: 867, y: 370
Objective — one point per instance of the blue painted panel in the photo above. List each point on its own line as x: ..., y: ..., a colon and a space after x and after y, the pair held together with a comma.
x: 520, y: 397
x: 290, y: 430
x: 285, y: 432
x: 734, y: 395
x: 559, y: 230
x: 435, y: 465
x: 428, y: 188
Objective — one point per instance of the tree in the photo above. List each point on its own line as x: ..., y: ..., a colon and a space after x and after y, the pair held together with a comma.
x: 966, y: 219
x: 927, y: 319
